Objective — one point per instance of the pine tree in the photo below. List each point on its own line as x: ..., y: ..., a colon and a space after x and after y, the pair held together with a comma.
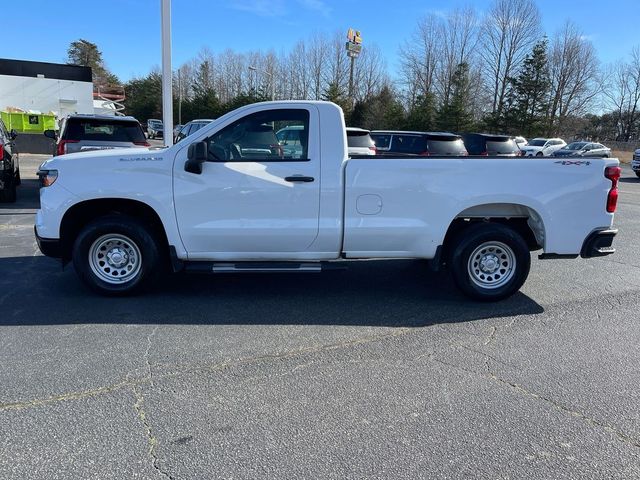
x: 455, y: 115
x: 83, y: 52
x: 421, y: 114
x: 205, y: 99
x: 529, y: 94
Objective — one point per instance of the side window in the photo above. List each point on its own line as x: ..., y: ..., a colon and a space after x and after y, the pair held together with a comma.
x: 253, y: 138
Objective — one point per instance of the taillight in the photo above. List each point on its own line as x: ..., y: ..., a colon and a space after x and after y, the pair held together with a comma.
x: 484, y: 154
x: 62, y: 146
x: 142, y: 144
x: 425, y: 154
x: 373, y: 150
x: 1, y: 152
x: 613, y: 174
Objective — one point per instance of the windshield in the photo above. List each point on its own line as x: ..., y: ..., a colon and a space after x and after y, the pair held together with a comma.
x: 575, y: 146
x: 537, y: 142
x: 155, y: 123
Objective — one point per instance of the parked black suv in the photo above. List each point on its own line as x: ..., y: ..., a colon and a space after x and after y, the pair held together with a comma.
x: 9, y: 167
x: 491, y: 145
x: 419, y: 143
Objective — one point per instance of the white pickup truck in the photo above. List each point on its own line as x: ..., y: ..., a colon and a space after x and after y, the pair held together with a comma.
x: 232, y: 198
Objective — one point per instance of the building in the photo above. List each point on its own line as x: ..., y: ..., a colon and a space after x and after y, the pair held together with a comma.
x: 40, y: 87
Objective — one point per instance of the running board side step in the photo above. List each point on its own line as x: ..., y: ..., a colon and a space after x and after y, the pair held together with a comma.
x: 254, y: 267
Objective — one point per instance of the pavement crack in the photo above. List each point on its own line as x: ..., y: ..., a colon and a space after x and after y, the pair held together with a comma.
x: 563, y: 408
x: 629, y: 440
x: 79, y: 395
x: 151, y: 439
x: 135, y: 383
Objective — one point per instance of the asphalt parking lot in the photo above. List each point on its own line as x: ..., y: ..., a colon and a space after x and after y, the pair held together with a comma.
x: 382, y: 370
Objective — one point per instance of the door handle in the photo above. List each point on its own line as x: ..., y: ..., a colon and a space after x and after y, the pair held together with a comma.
x: 299, y: 178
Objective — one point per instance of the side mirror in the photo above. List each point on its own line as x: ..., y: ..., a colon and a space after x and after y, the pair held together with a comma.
x: 51, y: 134
x: 196, y: 156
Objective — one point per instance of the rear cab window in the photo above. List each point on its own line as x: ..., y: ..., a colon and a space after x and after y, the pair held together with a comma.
x: 103, y: 130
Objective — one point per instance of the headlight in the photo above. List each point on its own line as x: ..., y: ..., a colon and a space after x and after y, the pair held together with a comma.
x: 47, y: 177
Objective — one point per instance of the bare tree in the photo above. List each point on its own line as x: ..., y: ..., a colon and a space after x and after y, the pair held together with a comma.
x: 419, y: 58
x: 510, y: 29
x: 370, y: 73
x: 573, y: 68
x: 459, y: 40
x: 318, y: 56
x: 622, y: 93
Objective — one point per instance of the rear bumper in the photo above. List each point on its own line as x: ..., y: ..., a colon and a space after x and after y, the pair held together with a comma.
x: 598, y: 244
x: 48, y: 246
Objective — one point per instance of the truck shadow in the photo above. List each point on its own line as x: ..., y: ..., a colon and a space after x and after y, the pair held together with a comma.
x: 385, y: 293
x: 28, y: 198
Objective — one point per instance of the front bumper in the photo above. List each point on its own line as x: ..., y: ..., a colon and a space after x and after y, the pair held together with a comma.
x: 48, y: 246
x: 635, y: 164
x: 599, y: 244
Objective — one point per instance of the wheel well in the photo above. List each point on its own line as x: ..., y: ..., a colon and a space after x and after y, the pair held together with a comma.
x: 521, y: 219
x: 84, y: 212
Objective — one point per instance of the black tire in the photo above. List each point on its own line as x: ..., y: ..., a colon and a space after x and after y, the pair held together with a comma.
x: 9, y: 194
x: 18, y: 179
x: 503, y: 279
x: 638, y: 174
x: 138, y: 249
x: 539, y: 154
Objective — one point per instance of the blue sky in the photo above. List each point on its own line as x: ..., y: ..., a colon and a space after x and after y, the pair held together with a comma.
x: 128, y: 31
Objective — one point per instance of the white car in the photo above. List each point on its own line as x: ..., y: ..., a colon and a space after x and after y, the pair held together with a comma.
x: 359, y: 142
x: 520, y: 141
x: 635, y: 163
x: 542, y: 147
x: 223, y: 201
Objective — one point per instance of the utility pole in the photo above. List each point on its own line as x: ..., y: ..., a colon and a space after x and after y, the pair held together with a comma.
x: 167, y: 74
x: 179, y: 96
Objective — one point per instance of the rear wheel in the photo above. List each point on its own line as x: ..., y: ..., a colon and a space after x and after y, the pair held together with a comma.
x: 489, y: 262
x: 638, y: 174
x: 539, y: 154
x: 116, y: 255
x: 18, y: 179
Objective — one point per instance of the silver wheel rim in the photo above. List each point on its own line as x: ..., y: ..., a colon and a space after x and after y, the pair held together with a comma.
x: 492, y: 265
x: 115, y: 259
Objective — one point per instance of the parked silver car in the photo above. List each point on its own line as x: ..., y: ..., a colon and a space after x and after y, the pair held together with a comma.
x: 80, y: 133
x: 583, y: 149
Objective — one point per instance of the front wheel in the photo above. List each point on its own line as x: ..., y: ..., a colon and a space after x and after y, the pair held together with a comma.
x: 638, y: 174
x: 116, y: 255
x: 490, y: 262
x: 539, y: 154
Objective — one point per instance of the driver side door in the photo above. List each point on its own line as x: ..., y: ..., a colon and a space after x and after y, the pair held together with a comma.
x: 253, y: 200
